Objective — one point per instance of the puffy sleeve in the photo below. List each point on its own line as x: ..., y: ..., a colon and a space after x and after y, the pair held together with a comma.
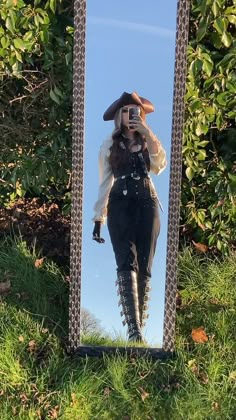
x: 106, y: 180
x: 157, y: 154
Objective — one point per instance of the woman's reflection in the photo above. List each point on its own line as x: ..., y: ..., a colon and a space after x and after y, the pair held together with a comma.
x: 128, y: 199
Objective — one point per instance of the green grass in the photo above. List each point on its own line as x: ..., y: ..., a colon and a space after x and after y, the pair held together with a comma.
x: 38, y: 380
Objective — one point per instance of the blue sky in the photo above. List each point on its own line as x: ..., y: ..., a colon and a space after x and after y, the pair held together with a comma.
x: 129, y: 47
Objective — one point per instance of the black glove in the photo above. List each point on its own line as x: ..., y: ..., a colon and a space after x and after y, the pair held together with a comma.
x: 96, y: 233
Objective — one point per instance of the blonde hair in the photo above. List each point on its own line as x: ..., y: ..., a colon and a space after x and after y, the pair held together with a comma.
x: 118, y: 121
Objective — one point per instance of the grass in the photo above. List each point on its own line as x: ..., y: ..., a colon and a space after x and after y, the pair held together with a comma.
x: 38, y: 380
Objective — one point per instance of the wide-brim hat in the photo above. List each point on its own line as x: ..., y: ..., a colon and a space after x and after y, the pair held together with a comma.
x: 127, y: 99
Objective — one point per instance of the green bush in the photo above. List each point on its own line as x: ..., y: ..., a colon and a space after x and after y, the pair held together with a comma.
x: 36, y: 41
x: 209, y: 152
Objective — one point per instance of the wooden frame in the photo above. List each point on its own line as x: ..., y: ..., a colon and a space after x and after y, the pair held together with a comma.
x: 174, y: 188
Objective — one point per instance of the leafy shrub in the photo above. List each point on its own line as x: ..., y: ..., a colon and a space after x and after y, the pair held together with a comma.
x: 209, y: 152
x: 36, y: 41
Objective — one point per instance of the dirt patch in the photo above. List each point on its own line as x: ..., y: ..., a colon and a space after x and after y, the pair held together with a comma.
x: 41, y: 224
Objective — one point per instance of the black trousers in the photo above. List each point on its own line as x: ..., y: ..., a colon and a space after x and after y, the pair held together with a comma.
x: 133, y: 224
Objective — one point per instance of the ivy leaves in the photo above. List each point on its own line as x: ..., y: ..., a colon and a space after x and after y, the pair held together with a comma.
x: 36, y: 44
x: 209, y: 194
x: 216, y: 22
x: 25, y: 31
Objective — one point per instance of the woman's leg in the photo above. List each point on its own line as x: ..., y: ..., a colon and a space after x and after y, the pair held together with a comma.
x: 122, y: 225
x: 147, y: 235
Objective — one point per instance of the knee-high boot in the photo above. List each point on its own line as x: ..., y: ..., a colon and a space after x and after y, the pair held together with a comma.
x: 143, y: 297
x: 128, y: 291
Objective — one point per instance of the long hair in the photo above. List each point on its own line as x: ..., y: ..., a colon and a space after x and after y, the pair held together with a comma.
x: 118, y: 153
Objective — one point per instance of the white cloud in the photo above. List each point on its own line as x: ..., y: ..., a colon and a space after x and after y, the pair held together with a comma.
x: 132, y: 26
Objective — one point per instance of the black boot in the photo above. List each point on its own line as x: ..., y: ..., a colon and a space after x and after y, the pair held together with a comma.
x: 128, y: 291
x: 143, y: 297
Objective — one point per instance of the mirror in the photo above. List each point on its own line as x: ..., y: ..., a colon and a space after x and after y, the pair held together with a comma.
x: 127, y: 42
x: 131, y: 54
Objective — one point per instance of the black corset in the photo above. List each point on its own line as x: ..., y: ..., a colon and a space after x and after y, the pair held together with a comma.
x: 134, y: 163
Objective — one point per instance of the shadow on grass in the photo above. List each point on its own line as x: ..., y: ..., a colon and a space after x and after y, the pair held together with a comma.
x: 41, y: 290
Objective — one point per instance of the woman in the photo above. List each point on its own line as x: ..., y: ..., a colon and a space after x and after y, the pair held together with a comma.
x: 128, y: 199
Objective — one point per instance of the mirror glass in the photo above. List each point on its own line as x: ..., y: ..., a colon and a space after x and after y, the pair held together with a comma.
x: 129, y: 47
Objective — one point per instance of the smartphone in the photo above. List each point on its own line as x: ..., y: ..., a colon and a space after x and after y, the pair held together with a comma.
x: 134, y: 114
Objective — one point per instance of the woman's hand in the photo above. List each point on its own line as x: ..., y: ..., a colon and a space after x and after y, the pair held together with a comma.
x: 140, y: 126
x: 96, y: 233
x: 153, y: 143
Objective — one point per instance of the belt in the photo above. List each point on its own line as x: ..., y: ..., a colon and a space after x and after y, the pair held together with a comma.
x: 136, y: 176
x: 133, y: 175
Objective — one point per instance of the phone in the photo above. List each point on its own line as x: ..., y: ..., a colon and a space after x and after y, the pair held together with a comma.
x: 134, y: 114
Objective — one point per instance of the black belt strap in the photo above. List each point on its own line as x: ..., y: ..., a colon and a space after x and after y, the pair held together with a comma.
x: 143, y: 163
x: 135, y: 175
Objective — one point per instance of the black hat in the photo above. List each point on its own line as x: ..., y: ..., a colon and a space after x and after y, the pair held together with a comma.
x: 127, y: 99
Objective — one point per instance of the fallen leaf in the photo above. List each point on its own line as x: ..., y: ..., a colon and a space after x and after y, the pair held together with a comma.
x: 39, y: 262
x: 107, y: 391
x: 24, y: 398
x: 1, y: 392
x: 40, y: 398
x: 199, y: 335
x: 193, y: 366
x: 21, y: 338
x: 200, y: 247
x: 53, y: 413
x: 42, y: 209
x: 232, y: 375
x: 215, y: 301
x: 203, y: 378
x: 32, y: 346
x: 202, y: 226
x: 191, y: 363
x: 215, y: 406
x: 133, y: 359
x: 73, y: 399
x: 53, y: 207
x: 143, y: 393
x: 143, y: 374
x: 5, y: 287
x: 44, y: 330
x: 38, y: 412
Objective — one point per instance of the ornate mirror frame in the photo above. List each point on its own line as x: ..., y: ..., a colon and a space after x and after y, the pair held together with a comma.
x: 174, y: 187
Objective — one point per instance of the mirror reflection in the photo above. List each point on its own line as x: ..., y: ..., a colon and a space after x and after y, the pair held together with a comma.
x: 129, y: 90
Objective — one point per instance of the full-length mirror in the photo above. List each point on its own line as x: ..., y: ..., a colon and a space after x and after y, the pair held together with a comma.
x: 129, y: 48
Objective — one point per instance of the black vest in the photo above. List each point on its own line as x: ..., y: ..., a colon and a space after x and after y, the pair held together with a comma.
x: 138, y: 162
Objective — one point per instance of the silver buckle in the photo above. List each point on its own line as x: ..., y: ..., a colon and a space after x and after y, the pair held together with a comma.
x: 135, y: 176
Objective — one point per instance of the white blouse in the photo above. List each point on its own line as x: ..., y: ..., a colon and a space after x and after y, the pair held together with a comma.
x: 157, y: 165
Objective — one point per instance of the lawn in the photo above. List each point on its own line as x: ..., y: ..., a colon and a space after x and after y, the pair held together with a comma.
x: 39, y: 380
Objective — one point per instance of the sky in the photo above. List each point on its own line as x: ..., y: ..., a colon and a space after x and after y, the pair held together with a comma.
x: 130, y: 46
